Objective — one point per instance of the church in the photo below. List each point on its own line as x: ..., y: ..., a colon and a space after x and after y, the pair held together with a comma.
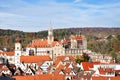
x: 75, y: 45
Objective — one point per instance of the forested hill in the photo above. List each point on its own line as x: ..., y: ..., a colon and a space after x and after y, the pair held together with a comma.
x: 7, y: 37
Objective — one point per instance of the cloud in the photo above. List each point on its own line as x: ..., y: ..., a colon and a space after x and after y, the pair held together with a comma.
x: 77, y: 1
x: 37, y: 16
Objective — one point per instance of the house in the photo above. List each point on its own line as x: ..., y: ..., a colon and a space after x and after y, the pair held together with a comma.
x: 5, y: 70
x: 7, y: 55
x: 106, y: 69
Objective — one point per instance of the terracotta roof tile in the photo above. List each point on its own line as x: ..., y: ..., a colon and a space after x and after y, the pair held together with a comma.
x: 105, y: 70
x: 77, y: 37
x: 56, y: 62
x: 87, y: 65
x: 5, y: 68
x: 61, y: 67
x: 115, y: 78
x: 62, y: 58
x: 41, y: 77
x: 42, y: 43
x: 34, y: 59
x: 8, y: 53
x: 24, y: 77
x: 99, y: 78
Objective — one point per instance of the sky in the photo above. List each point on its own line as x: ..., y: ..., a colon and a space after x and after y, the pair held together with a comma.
x: 38, y: 15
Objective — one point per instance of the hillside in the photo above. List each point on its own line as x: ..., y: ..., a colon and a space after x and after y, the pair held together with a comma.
x: 7, y: 37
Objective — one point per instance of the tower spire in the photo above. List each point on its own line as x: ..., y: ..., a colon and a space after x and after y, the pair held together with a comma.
x: 50, y: 34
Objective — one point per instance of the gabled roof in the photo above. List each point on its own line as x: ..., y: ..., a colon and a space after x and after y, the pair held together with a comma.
x: 42, y: 43
x: 62, y: 58
x: 105, y: 70
x: 34, y: 59
x: 7, y: 53
x: 60, y: 68
x: 87, y: 65
x: 77, y: 37
x: 5, y: 68
x: 56, y: 62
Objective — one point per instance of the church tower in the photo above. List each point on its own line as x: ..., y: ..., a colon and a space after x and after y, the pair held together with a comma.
x: 17, y: 51
x: 50, y: 35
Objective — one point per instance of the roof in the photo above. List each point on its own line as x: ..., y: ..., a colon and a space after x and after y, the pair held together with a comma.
x: 34, y: 59
x: 115, y: 78
x: 42, y: 43
x: 5, y: 68
x: 87, y: 65
x: 106, y: 78
x: 17, y: 39
x: 62, y: 58
x: 56, y: 62
x: 7, y: 53
x: 105, y: 70
x: 60, y: 68
x: 41, y: 77
x: 99, y: 78
x: 24, y: 77
x: 77, y: 37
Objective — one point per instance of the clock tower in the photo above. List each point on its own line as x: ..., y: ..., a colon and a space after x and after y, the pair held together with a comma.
x: 17, y: 52
x: 50, y: 35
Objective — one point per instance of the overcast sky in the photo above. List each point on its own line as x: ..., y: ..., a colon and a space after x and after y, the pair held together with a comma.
x: 36, y: 15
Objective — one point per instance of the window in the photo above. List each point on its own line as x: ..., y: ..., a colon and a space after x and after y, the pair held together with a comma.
x: 17, y: 54
x: 17, y: 47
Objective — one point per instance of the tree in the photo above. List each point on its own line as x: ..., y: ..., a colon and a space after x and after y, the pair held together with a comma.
x: 79, y: 59
x: 113, y: 54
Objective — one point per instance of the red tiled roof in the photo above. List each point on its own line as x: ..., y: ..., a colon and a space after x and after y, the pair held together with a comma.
x: 8, y: 53
x: 42, y: 43
x: 62, y: 58
x: 67, y: 64
x: 24, y: 77
x: 61, y: 67
x: 115, y: 78
x: 17, y: 39
x: 66, y: 41
x: 34, y: 59
x: 105, y: 70
x: 99, y: 78
x: 56, y: 62
x: 87, y: 65
x: 101, y: 71
x: 41, y: 77
x: 77, y: 37
x: 4, y: 68
x: 49, y: 77
x: 68, y: 70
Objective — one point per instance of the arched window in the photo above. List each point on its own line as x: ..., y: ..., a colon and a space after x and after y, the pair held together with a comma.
x: 31, y: 52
